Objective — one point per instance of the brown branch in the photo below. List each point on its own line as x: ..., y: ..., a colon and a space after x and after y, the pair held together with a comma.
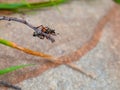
x: 39, y: 32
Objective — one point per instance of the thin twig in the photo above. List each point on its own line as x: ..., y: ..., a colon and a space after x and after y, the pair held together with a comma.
x: 49, y: 58
x: 37, y: 30
x: 40, y: 32
x: 6, y: 84
x: 80, y: 69
x: 83, y: 50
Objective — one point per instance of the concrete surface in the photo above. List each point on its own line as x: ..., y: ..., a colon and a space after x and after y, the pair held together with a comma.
x: 76, y: 24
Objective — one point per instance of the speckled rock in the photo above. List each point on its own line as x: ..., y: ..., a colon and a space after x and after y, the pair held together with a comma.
x: 76, y: 24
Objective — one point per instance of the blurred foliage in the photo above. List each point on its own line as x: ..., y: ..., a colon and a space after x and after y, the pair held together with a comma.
x: 12, y: 68
x: 6, y: 42
x: 24, y: 5
x: 117, y: 1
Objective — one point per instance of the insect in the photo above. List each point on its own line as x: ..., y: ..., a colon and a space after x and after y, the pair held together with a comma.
x: 45, y: 30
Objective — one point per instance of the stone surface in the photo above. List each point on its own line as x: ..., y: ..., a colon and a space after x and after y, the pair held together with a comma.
x: 76, y: 24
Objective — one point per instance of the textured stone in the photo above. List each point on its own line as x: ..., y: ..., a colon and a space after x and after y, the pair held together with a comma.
x: 76, y: 24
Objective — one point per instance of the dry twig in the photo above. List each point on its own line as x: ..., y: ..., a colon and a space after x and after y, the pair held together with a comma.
x: 39, y: 32
x: 6, y: 84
